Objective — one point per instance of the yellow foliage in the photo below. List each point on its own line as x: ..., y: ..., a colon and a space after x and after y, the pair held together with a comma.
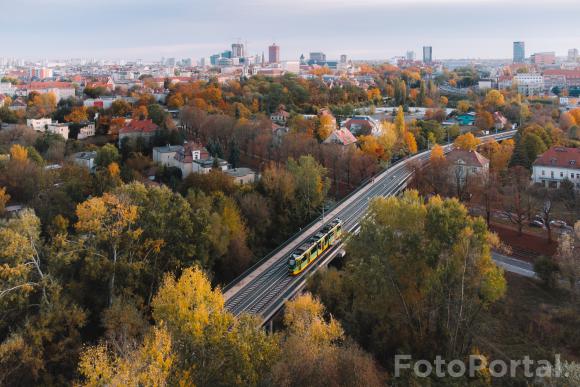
x: 466, y: 142
x: 18, y: 153
x: 78, y: 114
x: 114, y: 169
x: 304, y: 317
x: 494, y: 99
x: 4, y: 198
x: 437, y: 153
x: 410, y: 142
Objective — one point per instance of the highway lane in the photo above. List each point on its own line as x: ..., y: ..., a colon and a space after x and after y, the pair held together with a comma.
x: 263, y: 289
x: 513, y: 265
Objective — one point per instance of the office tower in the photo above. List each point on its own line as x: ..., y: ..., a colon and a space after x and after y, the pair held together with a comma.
x: 170, y: 62
x: 318, y: 56
x: 237, y: 50
x: 343, y: 59
x: 427, y: 54
x: 519, y: 52
x: 274, y: 53
x: 543, y: 58
x: 410, y: 56
x: 573, y: 55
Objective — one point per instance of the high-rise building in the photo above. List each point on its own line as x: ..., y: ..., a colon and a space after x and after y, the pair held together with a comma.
x: 343, y: 59
x: 274, y: 53
x: 573, y: 55
x: 318, y: 56
x: 237, y: 50
x: 427, y: 54
x: 410, y: 56
x: 519, y: 52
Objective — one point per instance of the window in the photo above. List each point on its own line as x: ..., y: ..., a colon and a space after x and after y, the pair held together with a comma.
x: 561, y: 174
x: 543, y: 172
x: 552, y: 174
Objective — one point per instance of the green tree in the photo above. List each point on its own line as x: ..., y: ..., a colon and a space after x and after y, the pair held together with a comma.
x: 311, y: 185
x: 106, y: 155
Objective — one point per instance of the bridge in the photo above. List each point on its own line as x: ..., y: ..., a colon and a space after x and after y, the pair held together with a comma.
x: 264, y: 288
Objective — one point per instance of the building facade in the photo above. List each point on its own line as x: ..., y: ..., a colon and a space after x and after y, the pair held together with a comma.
x: 519, y: 52
x: 555, y: 165
x: 274, y: 53
x: 427, y: 54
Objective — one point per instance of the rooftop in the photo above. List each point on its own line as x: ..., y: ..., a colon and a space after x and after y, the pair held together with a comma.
x: 561, y: 157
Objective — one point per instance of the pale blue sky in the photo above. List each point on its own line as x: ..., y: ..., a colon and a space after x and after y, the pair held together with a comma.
x: 362, y: 29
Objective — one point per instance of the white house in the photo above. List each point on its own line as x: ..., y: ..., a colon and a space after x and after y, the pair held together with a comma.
x: 189, y: 158
x: 465, y: 165
x: 39, y: 124
x: 529, y: 83
x: 242, y: 175
x: 86, y: 131
x: 58, y: 128
x: 555, y: 165
x: 164, y: 154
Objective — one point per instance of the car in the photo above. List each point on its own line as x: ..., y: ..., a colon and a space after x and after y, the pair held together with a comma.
x: 558, y: 223
x: 536, y: 223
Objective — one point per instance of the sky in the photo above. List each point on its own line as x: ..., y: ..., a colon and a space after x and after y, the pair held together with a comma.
x: 362, y: 29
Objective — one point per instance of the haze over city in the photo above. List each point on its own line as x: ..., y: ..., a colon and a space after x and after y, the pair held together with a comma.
x: 368, y: 29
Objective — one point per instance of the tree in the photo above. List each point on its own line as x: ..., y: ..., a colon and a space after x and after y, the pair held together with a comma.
x: 467, y: 142
x: 568, y: 257
x: 400, y: 122
x: 463, y: 106
x: 212, y: 347
x: 148, y: 365
x: 156, y: 114
x: 410, y: 143
x: 120, y: 108
x: 416, y: 277
x: 484, y: 120
x: 4, y: 198
x: 77, y: 115
x: 311, y: 185
x: 106, y: 155
x: 517, y: 203
x: 108, y: 223
x: 18, y: 153
x: 326, y: 127
x: 313, y: 353
x: 494, y: 99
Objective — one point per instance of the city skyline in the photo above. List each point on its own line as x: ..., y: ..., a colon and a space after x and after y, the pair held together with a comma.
x: 377, y: 29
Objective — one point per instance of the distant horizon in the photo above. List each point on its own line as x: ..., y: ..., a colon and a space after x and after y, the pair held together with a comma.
x: 363, y: 30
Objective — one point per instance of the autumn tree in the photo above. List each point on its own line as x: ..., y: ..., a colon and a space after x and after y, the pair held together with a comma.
x: 467, y: 142
x: 4, y: 198
x: 111, y: 237
x: 416, y: 278
x: 212, y: 347
x: 314, y: 352
x: 494, y: 99
x: 515, y: 197
x: 77, y: 115
x: 148, y: 365
x: 410, y: 143
x: 311, y: 185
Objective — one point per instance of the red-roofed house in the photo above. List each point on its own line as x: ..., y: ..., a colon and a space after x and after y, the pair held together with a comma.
x: 137, y: 129
x: 62, y: 90
x: 343, y: 136
x: 280, y: 117
x: 561, y: 77
x: 557, y: 164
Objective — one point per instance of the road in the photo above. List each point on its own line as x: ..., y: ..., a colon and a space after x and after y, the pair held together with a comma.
x: 513, y: 265
x: 263, y: 289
